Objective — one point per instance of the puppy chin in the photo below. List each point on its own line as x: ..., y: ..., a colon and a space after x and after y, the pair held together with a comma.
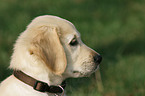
x: 90, y: 72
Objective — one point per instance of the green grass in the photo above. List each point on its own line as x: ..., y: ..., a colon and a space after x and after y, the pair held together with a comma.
x: 114, y: 28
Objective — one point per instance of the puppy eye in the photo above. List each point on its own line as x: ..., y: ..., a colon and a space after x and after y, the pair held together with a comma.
x: 74, y: 42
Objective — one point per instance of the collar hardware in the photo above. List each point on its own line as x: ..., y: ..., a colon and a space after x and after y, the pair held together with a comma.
x: 40, y: 86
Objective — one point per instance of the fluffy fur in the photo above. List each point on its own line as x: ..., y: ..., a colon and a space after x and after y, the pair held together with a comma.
x: 50, y: 50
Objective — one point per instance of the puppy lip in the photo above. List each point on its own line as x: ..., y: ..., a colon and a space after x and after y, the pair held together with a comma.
x: 76, y: 72
x: 84, y: 74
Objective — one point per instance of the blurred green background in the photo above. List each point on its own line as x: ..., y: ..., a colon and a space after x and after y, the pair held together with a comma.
x: 114, y: 28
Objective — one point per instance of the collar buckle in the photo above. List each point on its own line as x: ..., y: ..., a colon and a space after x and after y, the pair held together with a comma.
x: 40, y: 86
x: 55, y: 89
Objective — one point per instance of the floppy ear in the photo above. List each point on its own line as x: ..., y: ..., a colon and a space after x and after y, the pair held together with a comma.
x: 47, y: 47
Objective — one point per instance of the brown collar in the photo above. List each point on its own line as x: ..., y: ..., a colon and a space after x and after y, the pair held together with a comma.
x: 38, y: 85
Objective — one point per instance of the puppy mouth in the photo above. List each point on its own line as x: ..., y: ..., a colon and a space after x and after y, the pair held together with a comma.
x: 85, y: 73
x: 87, y: 68
x: 80, y: 74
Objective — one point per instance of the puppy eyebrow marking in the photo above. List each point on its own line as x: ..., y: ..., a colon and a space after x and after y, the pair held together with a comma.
x: 77, y: 35
x: 74, y: 37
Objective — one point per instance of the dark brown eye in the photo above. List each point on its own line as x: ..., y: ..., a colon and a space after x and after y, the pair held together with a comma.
x: 74, y: 42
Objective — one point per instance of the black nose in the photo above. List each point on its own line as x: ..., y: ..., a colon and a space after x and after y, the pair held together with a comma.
x: 97, y: 59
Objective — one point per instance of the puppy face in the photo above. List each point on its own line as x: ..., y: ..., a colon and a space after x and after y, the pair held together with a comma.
x: 81, y: 60
x: 52, y: 43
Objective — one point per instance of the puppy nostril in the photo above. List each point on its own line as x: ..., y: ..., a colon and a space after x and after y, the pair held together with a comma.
x: 97, y: 59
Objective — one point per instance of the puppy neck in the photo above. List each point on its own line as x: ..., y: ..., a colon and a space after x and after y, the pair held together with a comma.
x: 35, y: 69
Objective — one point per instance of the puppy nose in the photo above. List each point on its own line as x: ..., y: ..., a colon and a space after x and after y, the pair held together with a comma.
x: 97, y: 59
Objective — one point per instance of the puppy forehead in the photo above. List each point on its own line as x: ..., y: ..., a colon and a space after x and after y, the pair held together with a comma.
x: 67, y: 29
x: 52, y: 20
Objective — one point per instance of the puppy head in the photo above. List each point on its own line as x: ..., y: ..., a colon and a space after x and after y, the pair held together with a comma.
x: 54, y: 43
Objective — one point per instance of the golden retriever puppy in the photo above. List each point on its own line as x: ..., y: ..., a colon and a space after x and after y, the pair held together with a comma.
x: 45, y: 54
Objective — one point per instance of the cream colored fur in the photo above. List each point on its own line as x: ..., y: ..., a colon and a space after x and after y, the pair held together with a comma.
x: 43, y: 51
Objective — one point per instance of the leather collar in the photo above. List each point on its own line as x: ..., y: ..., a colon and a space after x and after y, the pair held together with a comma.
x: 39, y: 85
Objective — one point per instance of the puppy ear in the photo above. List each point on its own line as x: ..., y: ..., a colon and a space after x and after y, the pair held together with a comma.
x: 47, y: 47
